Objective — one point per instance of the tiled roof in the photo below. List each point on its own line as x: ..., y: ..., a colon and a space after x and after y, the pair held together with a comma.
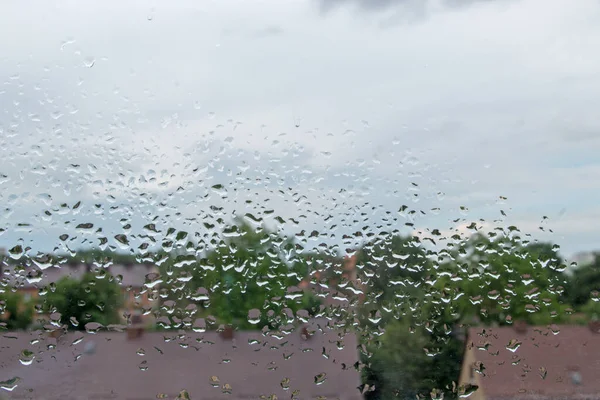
x: 541, y: 363
x: 251, y: 364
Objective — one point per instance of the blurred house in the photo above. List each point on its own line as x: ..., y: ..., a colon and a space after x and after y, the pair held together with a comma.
x: 532, y: 362
x: 208, y: 365
x: 336, y: 285
x: 131, y: 278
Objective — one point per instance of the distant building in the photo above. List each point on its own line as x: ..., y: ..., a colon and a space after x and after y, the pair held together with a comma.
x: 209, y: 365
x: 343, y: 289
x: 532, y: 362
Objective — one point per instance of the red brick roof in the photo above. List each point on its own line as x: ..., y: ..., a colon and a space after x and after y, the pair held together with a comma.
x: 541, y: 363
x: 251, y: 364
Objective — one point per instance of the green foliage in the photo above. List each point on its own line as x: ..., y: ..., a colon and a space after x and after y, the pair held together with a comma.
x: 585, y: 281
x: 500, y: 281
x: 310, y: 303
x: 417, y: 352
x: 410, y: 361
x: 394, y: 268
x: 90, y: 300
x: 396, y: 368
x: 591, y: 310
x: 251, y: 269
x: 20, y: 312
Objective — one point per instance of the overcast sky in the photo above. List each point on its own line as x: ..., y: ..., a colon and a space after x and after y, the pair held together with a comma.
x: 306, y: 108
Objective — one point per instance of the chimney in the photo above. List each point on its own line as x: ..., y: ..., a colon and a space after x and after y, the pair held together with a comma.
x: 520, y: 326
x: 136, y: 328
x: 226, y: 332
x: 350, y: 267
x: 305, y: 334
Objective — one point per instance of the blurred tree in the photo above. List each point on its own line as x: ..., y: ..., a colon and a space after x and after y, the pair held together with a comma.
x: 497, y: 280
x: 15, y: 311
x: 404, y: 364
x: 249, y: 269
x: 584, y: 281
x: 591, y: 310
x: 311, y: 303
x: 392, y: 270
x: 90, y: 300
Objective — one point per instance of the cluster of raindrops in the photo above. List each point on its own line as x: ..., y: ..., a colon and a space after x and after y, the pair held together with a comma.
x: 207, y: 238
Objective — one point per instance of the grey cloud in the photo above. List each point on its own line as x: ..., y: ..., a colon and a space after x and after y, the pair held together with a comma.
x: 414, y: 5
x: 272, y: 30
x: 262, y: 32
x: 456, y: 94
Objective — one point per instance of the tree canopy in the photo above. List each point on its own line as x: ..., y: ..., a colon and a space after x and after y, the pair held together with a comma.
x: 92, y: 299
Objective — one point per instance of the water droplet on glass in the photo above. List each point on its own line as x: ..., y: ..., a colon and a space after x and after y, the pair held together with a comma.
x: 214, y: 381
x: 513, y: 345
x: 10, y: 384
x: 226, y: 388
x: 467, y: 390
x: 89, y: 62
x: 254, y: 316
x: 77, y: 340
x: 320, y: 378
x: 93, y: 327
x: 183, y: 395
x: 26, y: 357
x: 16, y: 252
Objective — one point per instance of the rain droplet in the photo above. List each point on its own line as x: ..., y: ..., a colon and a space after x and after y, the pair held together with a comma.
x: 10, y: 384
x: 93, y: 327
x: 320, y: 378
x: 466, y: 390
x: 254, y: 316
x: 77, y: 340
x: 183, y: 395
x: 26, y: 357
x: 123, y: 241
x: 513, y: 345
x: 16, y: 252
x: 214, y: 381
x: 89, y: 62
x: 226, y: 388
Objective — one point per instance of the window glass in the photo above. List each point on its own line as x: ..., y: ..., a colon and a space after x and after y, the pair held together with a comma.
x: 311, y: 199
